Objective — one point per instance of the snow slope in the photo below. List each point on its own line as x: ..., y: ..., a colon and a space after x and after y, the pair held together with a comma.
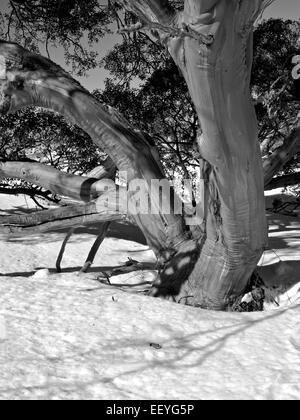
x: 71, y: 337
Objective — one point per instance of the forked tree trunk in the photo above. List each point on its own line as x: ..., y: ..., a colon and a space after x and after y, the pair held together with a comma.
x: 211, y: 42
x: 218, y: 77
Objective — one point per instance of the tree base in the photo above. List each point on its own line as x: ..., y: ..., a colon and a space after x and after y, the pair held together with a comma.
x: 206, y: 277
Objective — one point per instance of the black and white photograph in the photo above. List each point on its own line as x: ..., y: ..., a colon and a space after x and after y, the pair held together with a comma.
x: 150, y: 203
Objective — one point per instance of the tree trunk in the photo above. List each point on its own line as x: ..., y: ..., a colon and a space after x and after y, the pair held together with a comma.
x: 218, y: 76
x: 211, y: 42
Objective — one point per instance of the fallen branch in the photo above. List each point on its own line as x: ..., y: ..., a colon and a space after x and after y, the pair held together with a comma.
x: 58, y: 219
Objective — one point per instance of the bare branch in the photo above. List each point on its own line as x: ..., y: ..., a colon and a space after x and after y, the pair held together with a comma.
x: 100, y: 238
x: 155, y: 11
x: 274, y: 163
x: 31, y: 192
x: 186, y: 31
x: 63, y: 248
x: 40, y: 82
x: 77, y: 187
x: 284, y: 181
x: 249, y: 11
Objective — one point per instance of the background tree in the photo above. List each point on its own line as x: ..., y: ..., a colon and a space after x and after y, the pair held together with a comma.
x: 41, y: 136
x: 276, y: 93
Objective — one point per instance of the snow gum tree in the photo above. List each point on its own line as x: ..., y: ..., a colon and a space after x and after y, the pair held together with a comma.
x: 211, y: 42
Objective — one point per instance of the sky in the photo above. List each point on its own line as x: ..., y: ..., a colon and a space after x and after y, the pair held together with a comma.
x: 287, y: 9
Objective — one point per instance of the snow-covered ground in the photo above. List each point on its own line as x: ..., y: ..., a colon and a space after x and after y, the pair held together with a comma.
x: 64, y: 336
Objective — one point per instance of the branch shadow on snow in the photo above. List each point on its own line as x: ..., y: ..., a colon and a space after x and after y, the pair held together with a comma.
x: 178, y: 357
x: 70, y: 270
x: 287, y: 229
x: 177, y: 354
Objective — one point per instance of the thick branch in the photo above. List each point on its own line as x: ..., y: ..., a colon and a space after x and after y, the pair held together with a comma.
x: 107, y: 170
x: 77, y: 187
x: 29, y: 79
x: 273, y: 164
x: 284, y: 181
x: 61, y: 218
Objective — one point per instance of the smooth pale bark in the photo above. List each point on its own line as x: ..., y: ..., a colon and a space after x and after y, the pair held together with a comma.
x: 218, y: 77
x: 77, y: 187
x: 105, y: 171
